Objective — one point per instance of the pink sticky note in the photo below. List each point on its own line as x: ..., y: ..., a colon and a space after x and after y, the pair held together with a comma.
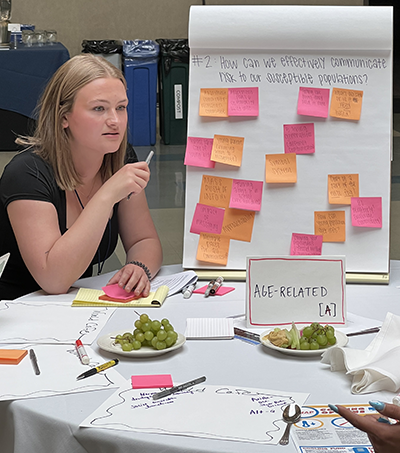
x: 221, y: 291
x: 366, y: 212
x: 299, y: 138
x: 116, y: 292
x: 207, y: 219
x: 243, y: 101
x: 198, y: 152
x: 306, y: 244
x: 151, y: 381
x: 313, y: 102
x: 246, y: 194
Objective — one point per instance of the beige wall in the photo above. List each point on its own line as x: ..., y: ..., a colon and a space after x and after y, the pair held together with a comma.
x: 76, y: 20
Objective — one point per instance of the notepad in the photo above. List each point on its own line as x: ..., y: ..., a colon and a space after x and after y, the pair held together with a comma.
x: 209, y: 329
x: 12, y: 356
x: 91, y: 298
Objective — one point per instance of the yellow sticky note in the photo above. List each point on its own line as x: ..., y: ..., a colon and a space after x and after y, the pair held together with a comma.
x: 213, y: 248
x: 227, y: 150
x: 214, y: 102
x: 280, y: 168
x: 346, y: 104
x: 238, y: 224
x: 215, y: 191
x: 331, y: 225
x: 341, y: 188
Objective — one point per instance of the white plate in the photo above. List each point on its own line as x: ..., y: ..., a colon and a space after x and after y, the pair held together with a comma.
x: 341, y: 340
x: 107, y: 344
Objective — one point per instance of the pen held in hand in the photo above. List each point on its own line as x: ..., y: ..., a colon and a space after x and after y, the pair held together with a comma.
x: 148, y: 160
x: 178, y: 388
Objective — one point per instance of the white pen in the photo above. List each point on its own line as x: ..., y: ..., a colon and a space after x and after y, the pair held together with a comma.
x: 178, y: 388
x: 148, y: 159
x: 80, y: 349
x: 188, y: 290
x: 217, y: 284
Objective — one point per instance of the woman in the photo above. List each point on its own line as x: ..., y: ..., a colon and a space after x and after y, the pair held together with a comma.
x: 65, y: 199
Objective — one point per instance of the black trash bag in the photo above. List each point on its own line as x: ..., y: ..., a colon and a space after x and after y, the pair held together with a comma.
x: 105, y: 46
x: 173, y: 50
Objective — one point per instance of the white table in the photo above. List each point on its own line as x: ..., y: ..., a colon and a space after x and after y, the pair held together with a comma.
x: 52, y: 424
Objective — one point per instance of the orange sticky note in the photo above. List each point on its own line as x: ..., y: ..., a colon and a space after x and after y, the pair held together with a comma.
x: 227, y: 150
x: 213, y: 248
x: 280, y: 168
x: 12, y: 356
x: 346, y: 104
x: 216, y: 191
x: 214, y: 102
x: 331, y: 225
x: 341, y: 188
x: 238, y: 224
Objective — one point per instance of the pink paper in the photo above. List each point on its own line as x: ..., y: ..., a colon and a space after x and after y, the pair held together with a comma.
x: 306, y: 244
x: 246, y: 194
x: 198, y: 152
x: 313, y: 102
x: 151, y: 381
x: 221, y: 291
x: 243, y: 101
x: 116, y: 292
x: 207, y: 219
x: 366, y: 212
x: 299, y: 138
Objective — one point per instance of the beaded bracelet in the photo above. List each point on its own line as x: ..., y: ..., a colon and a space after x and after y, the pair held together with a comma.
x: 143, y: 266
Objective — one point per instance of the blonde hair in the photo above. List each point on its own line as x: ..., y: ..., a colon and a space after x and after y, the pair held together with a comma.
x: 50, y: 139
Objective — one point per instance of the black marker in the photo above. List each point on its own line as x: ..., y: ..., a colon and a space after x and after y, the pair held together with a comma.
x: 178, y: 388
x: 97, y: 369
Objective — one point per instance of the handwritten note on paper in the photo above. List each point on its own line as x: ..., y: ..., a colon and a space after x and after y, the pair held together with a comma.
x: 306, y: 244
x: 346, y: 104
x: 280, y: 168
x: 313, y: 102
x: 238, y: 224
x: 299, y: 138
x: 227, y: 150
x: 366, y: 212
x: 216, y: 191
x: 331, y: 224
x: 214, y: 102
x: 198, y: 152
x: 213, y: 248
x: 243, y: 101
x: 341, y: 188
x: 246, y: 194
x: 207, y: 219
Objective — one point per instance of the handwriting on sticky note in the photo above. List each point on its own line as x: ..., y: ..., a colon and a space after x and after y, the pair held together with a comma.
x: 346, y: 104
x: 214, y: 102
x: 238, y: 224
x: 243, y: 101
x: 331, y: 225
x: 227, y: 150
x: 341, y: 188
x: 213, y: 248
x: 366, y: 212
x: 215, y: 191
x: 207, y: 219
x: 313, y: 102
x: 198, y: 152
x: 280, y: 168
x: 299, y: 138
x: 306, y: 244
x: 246, y: 194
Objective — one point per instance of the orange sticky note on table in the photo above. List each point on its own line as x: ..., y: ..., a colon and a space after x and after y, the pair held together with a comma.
x: 331, y: 225
x: 227, y: 150
x: 214, y: 102
x: 280, y: 168
x: 341, y: 188
x: 346, y: 104
x: 216, y: 191
x: 151, y: 381
x: 12, y: 356
x: 238, y: 224
x: 213, y: 248
x: 366, y: 212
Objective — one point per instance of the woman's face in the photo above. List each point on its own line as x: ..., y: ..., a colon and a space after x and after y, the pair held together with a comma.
x: 98, y: 119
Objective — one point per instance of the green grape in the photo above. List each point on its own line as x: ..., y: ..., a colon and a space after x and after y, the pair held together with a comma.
x: 322, y: 340
x: 148, y: 335
x: 172, y: 334
x: 161, y: 345
x: 332, y: 341
x: 155, y: 326
x: 330, y: 334
x: 154, y: 341
x: 127, y: 346
x: 305, y: 345
x: 139, y: 337
x: 164, y: 321
x: 136, y: 345
x: 161, y: 334
x: 168, y: 328
x: 170, y: 341
x: 314, y: 345
x: 308, y: 331
x: 144, y: 318
x: 138, y: 324
x: 146, y: 326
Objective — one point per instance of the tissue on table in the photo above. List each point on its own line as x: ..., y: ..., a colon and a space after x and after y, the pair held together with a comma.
x: 377, y: 367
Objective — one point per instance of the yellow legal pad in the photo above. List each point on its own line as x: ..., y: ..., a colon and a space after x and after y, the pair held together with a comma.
x: 12, y: 356
x: 90, y: 298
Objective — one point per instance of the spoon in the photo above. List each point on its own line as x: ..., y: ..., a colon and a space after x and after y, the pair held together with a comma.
x: 289, y: 417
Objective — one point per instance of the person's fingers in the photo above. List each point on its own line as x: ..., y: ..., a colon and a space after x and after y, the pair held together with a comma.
x: 390, y: 410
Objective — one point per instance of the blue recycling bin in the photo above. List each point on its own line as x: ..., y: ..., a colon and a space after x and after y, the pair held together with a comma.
x: 140, y: 69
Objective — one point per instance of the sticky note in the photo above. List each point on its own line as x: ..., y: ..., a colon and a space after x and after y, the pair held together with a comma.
x: 306, y: 244
x: 221, y: 291
x: 227, y: 150
x: 243, y: 101
x: 341, y: 188
x: 213, y: 248
x: 115, y: 292
x: 313, y: 102
x: 299, y: 138
x: 151, y: 381
x: 366, y: 212
x: 198, y: 152
x: 280, y: 168
x: 207, y: 219
x: 346, y: 104
x: 12, y: 356
x: 214, y: 102
x: 246, y: 194
x: 238, y: 224
x: 215, y: 191
x: 331, y: 225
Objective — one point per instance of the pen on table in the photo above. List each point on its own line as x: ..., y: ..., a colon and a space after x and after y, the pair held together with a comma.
x: 148, y: 159
x: 178, y: 388
x: 216, y: 285
x: 80, y: 349
x: 97, y: 369
x: 210, y: 285
x: 363, y: 332
x: 34, y: 361
x: 187, y: 291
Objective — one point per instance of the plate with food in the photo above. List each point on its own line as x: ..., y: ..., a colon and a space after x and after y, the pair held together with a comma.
x: 303, y: 340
